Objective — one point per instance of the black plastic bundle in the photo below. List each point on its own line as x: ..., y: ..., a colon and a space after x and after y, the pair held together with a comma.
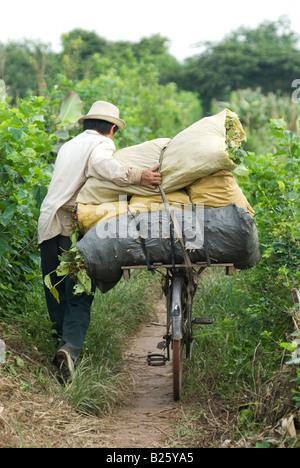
x: 220, y: 235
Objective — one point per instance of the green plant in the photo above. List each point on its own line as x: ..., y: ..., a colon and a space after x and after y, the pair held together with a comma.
x: 234, y: 140
x: 95, y: 389
x: 255, y: 109
x: 71, y: 264
x: 293, y: 348
x: 24, y: 175
x: 150, y: 110
x: 273, y: 190
x: 99, y: 384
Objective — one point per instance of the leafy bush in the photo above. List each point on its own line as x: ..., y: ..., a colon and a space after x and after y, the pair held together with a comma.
x: 30, y: 135
x: 252, y: 310
x: 24, y: 174
x: 273, y: 190
x: 150, y: 110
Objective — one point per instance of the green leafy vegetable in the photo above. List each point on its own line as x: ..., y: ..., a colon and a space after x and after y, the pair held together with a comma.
x: 234, y: 140
x: 71, y: 264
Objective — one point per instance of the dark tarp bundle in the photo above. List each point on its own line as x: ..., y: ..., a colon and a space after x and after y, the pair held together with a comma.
x: 230, y: 236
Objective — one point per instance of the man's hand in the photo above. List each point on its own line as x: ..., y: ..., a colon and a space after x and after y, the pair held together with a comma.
x: 151, y: 178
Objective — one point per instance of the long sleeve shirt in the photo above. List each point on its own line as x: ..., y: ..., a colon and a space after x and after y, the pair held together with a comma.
x: 89, y: 154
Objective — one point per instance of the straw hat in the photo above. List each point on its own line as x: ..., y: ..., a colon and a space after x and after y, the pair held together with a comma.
x: 103, y: 110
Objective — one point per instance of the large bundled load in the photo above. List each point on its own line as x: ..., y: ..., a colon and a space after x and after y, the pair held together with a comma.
x: 204, y: 148
x: 196, y: 167
x: 225, y: 234
x: 215, y: 191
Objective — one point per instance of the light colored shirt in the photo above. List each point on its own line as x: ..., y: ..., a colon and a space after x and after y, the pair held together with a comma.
x: 89, y: 154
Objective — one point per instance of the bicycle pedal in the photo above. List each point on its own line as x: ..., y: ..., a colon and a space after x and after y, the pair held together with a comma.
x: 161, y: 345
x: 156, y: 359
x: 202, y: 321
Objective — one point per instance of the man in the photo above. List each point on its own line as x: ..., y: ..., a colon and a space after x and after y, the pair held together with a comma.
x: 90, y: 154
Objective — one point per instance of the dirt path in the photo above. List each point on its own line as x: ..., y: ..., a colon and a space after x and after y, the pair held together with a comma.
x: 33, y: 419
x: 146, y: 420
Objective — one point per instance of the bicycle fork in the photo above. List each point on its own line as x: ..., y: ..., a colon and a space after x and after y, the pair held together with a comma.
x: 176, y: 308
x: 174, y: 321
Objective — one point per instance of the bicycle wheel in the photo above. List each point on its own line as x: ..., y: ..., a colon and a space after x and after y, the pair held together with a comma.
x: 177, y: 334
x: 177, y: 368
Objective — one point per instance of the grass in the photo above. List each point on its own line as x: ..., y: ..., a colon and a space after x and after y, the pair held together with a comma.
x: 225, y: 385
x: 235, y: 385
x: 99, y: 382
x: 218, y: 353
x: 96, y: 389
x: 228, y: 350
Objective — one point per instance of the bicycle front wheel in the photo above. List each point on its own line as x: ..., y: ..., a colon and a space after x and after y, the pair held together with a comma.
x: 177, y: 334
x: 177, y: 368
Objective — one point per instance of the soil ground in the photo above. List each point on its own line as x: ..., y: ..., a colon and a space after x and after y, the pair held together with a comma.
x: 146, y: 420
x: 149, y: 419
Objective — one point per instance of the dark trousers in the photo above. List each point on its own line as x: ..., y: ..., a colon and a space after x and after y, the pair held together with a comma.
x: 72, y: 315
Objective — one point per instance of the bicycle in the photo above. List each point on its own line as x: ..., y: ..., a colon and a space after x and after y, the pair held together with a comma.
x: 179, y: 286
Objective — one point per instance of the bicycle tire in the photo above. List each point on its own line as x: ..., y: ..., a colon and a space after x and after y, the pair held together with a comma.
x: 177, y: 336
x: 177, y: 368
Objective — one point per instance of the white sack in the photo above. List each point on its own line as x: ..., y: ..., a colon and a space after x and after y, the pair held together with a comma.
x: 196, y: 152
x: 143, y: 156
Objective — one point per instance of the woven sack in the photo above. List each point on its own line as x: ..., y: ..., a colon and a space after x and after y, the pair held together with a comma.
x: 217, y: 190
x: 196, y: 152
x: 143, y: 156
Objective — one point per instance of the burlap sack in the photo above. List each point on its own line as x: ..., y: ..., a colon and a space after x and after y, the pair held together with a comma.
x: 196, y: 152
x: 177, y: 200
x: 143, y: 156
x: 217, y: 190
x: 89, y: 215
x: 214, y: 191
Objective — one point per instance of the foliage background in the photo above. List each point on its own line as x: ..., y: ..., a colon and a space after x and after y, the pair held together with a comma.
x: 250, y: 72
